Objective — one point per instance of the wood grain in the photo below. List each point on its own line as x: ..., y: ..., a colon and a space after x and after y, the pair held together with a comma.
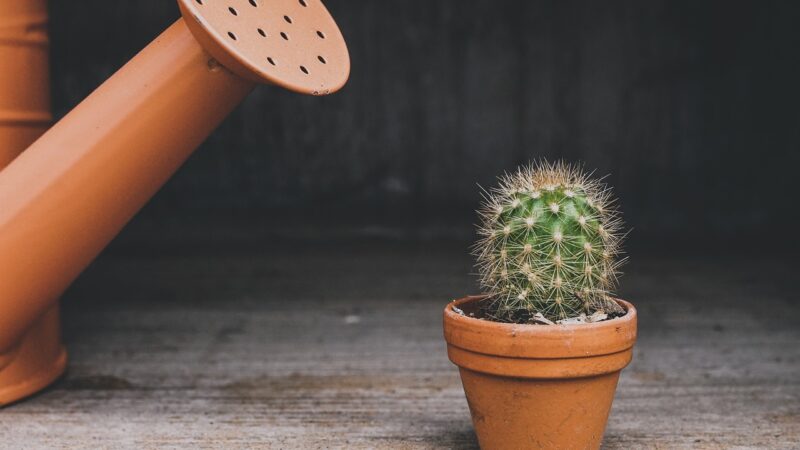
x: 277, y: 343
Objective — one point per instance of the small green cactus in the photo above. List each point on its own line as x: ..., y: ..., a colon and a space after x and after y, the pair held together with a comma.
x: 549, y: 244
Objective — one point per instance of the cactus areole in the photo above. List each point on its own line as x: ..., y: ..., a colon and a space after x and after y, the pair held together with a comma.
x: 549, y: 245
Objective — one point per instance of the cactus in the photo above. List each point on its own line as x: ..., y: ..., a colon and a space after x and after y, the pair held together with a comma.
x: 549, y: 244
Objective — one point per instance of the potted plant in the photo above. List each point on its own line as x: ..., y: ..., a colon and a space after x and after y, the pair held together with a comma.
x: 541, y: 351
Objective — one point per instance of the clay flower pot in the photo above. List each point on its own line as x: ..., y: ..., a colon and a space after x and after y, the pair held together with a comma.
x: 538, y: 386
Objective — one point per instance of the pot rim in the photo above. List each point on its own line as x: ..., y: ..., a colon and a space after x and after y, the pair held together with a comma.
x: 539, y: 341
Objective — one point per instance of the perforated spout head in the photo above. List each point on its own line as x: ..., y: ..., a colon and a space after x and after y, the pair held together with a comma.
x: 294, y: 44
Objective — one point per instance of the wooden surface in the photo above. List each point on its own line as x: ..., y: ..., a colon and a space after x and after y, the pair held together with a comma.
x: 276, y: 344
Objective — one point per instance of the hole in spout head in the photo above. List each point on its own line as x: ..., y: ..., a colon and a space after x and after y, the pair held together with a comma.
x: 284, y: 36
x: 262, y: 32
x: 231, y: 35
x: 287, y: 19
x: 233, y: 11
x: 254, y: 3
x: 303, y: 2
x: 270, y: 60
x: 322, y: 60
x: 304, y: 70
x: 320, y: 34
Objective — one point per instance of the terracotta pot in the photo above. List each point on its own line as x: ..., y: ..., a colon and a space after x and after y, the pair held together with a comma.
x: 538, y: 386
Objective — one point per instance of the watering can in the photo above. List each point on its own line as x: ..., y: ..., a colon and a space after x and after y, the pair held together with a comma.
x: 71, y: 191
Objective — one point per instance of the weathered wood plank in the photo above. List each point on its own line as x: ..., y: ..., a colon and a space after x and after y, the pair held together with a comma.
x: 338, y: 345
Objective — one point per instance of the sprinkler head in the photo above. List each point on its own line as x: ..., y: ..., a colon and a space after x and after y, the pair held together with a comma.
x: 294, y: 44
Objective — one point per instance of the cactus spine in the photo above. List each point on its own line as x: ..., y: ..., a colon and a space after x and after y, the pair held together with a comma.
x: 549, y: 244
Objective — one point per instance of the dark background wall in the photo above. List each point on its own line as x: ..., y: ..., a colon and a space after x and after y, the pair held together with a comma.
x: 691, y: 107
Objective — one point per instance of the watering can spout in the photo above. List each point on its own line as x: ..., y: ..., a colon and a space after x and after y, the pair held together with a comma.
x: 65, y: 197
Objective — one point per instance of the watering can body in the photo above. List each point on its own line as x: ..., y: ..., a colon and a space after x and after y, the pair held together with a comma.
x: 39, y: 356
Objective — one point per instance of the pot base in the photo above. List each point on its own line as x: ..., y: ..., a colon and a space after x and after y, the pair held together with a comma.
x: 38, y: 360
x: 524, y: 413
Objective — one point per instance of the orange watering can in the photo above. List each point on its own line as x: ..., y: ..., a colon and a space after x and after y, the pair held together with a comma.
x: 24, y: 115
x: 68, y: 194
